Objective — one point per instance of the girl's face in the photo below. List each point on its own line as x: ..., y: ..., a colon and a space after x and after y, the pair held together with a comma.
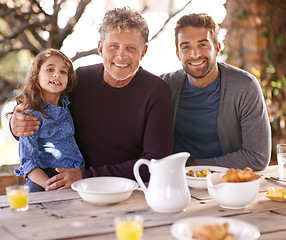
x: 53, y: 78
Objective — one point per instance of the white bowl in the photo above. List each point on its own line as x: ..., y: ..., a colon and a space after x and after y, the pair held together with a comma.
x: 232, y: 195
x: 182, y: 229
x: 200, y: 182
x: 104, y: 190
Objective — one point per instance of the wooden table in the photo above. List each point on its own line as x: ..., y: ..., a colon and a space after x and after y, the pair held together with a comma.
x: 63, y: 214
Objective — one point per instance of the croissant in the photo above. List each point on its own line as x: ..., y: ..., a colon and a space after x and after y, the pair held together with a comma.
x: 213, y: 232
x: 237, y: 175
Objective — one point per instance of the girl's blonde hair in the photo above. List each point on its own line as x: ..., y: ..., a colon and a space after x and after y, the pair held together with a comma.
x: 31, y: 96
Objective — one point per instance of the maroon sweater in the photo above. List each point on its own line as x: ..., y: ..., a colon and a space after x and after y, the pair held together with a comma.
x: 117, y: 126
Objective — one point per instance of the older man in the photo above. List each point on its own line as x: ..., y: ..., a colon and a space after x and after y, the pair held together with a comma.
x: 121, y: 112
x: 219, y: 110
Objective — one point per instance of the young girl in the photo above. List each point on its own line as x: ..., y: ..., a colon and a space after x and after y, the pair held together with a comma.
x: 50, y: 80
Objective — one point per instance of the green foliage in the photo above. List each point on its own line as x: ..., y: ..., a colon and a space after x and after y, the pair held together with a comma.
x: 242, y: 14
x: 15, y: 66
x: 278, y: 85
x: 270, y: 70
x: 264, y: 34
x: 281, y: 38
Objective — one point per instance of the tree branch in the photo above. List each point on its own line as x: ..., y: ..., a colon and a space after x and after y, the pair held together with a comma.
x: 27, y: 21
x: 169, y: 19
x: 68, y: 29
x: 84, y: 54
x: 42, y: 42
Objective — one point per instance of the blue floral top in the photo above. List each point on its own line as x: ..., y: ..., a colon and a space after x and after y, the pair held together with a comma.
x: 53, y: 145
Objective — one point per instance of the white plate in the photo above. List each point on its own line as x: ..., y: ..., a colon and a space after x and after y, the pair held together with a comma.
x: 182, y: 229
x: 200, y: 182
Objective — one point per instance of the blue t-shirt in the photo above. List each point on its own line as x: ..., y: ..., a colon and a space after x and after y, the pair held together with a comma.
x: 196, y: 121
x: 53, y: 145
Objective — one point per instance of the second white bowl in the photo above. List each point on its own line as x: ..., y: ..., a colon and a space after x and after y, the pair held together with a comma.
x: 232, y: 195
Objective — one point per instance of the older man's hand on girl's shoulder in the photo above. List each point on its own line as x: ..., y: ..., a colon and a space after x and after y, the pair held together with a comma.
x: 23, y: 125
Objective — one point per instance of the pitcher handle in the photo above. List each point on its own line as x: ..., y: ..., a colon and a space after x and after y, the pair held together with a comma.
x: 137, y: 175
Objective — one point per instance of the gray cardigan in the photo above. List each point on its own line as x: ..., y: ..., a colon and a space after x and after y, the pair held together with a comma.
x: 243, y: 125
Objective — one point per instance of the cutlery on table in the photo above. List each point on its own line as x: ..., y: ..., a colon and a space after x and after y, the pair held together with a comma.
x: 275, y: 179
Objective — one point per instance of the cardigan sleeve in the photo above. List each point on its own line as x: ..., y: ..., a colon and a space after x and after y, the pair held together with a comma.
x: 243, y: 124
x: 176, y: 81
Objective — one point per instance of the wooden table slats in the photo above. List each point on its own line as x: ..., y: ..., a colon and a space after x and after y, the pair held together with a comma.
x: 63, y: 214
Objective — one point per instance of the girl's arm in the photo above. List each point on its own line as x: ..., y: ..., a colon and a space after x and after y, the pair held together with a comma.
x: 38, y: 176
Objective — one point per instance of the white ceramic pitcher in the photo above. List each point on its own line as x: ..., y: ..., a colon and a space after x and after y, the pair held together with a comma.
x: 167, y: 190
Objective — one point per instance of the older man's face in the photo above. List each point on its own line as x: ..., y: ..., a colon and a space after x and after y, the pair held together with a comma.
x: 121, y: 52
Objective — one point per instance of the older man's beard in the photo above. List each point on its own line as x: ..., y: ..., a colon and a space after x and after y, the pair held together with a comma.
x: 202, y: 73
x: 122, y: 79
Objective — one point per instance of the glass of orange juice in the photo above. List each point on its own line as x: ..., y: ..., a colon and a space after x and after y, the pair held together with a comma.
x: 129, y: 227
x: 18, y: 197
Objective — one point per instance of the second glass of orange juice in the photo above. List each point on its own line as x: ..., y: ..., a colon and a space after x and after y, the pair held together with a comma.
x: 129, y: 227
